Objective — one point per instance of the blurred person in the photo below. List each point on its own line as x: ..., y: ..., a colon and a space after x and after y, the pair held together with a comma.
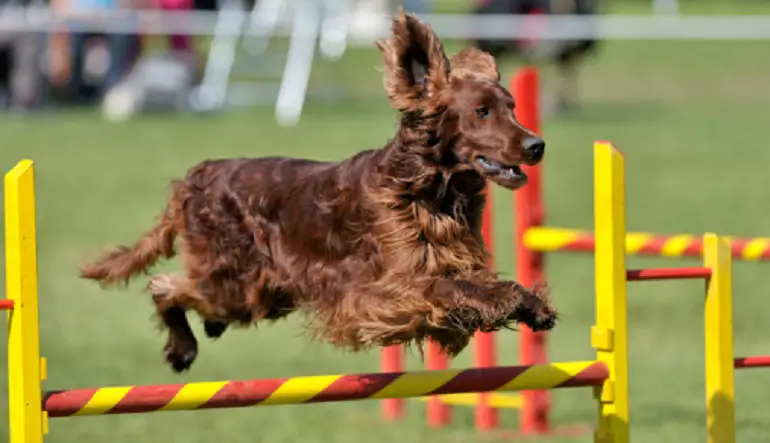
x: 179, y: 42
x: 158, y: 81
x: 105, y: 55
x: 565, y: 54
x: 20, y: 75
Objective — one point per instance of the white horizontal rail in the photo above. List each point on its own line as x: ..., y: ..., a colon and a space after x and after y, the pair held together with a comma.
x: 450, y: 26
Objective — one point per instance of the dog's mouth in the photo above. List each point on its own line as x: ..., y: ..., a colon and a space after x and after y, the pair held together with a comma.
x: 498, y: 170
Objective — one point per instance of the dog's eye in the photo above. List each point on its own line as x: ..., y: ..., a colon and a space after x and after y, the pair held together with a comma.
x: 482, y: 112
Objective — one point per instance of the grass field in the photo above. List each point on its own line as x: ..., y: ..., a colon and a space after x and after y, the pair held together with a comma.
x: 692, y: 119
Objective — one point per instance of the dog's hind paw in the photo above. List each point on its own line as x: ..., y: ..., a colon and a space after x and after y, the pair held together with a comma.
x: 161, y: 284
x: 180, y: 356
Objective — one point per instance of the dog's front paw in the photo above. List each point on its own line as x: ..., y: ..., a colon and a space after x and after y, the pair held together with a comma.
x: 535, y: 309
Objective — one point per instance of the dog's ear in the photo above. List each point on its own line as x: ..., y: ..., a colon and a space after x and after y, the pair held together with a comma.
x: 474, y: 62
x: 416, y: 67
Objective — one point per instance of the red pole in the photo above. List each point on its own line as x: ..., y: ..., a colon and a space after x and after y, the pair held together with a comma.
x: 667, y: 273
x: 439, y: 413
x: 484, y: 343
x: 392, y: 360
x: 530, y: 212
x: 756, y: 361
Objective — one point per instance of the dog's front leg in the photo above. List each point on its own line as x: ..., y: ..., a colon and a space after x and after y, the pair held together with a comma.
x: 449, y: 311
x: 471, y: 306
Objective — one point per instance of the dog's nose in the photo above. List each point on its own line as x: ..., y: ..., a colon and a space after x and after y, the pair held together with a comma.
x: 534, y: 147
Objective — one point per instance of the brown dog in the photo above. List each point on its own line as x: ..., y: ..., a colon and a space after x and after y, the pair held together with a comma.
x: 378, y: 249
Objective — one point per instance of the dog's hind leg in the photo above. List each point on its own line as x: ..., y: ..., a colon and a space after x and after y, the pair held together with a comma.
x: 173, y: 295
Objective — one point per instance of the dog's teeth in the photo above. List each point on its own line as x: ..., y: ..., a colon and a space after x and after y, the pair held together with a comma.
x: 486, y: 163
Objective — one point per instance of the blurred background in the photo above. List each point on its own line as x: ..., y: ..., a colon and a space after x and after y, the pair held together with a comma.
x: 113, y: 98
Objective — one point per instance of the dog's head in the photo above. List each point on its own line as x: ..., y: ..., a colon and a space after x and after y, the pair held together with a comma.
x: 460, y: 104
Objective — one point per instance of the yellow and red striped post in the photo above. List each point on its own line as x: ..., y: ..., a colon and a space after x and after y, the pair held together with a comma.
x: 26, y: 370
x: 720, y: 371
x: 610, y: 334
x: 322, y: 388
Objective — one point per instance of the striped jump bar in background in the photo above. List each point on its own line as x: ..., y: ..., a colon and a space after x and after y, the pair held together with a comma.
x: 639, y: 243
x: 6, y: 305
x: 316, y: 389
x: 755, y: 361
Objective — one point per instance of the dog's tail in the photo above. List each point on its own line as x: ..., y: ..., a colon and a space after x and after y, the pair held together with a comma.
x: 120, y: 264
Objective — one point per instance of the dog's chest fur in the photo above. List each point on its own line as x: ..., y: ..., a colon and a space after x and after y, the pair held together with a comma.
x: 442, y: 237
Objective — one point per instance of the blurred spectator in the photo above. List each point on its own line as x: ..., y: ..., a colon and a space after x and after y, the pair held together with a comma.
x: 567, y: 55
x: 178, y: 42
x: 181, y: 45
x: 157, y: 80
x: 20, y: 76
x: 94, y: 54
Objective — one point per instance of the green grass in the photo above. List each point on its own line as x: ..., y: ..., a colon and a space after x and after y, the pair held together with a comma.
x: 691, y: 118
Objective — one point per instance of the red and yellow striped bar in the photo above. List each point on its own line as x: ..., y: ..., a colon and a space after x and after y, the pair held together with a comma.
x: 549, y: 239
x: 323, y: 388
x: 6, y: 305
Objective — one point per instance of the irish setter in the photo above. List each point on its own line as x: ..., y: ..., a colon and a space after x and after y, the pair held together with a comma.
x: 378, y: 249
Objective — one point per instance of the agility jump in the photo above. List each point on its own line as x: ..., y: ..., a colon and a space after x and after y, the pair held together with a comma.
x: 30, y: 407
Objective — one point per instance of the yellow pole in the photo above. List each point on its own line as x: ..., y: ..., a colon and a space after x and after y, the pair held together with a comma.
x: 25, y: 367
x: 720, y: 369
x: 609, y: 335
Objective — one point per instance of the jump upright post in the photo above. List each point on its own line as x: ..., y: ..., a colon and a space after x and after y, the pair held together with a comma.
x: 26, y: 369
x: 610, y: 338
